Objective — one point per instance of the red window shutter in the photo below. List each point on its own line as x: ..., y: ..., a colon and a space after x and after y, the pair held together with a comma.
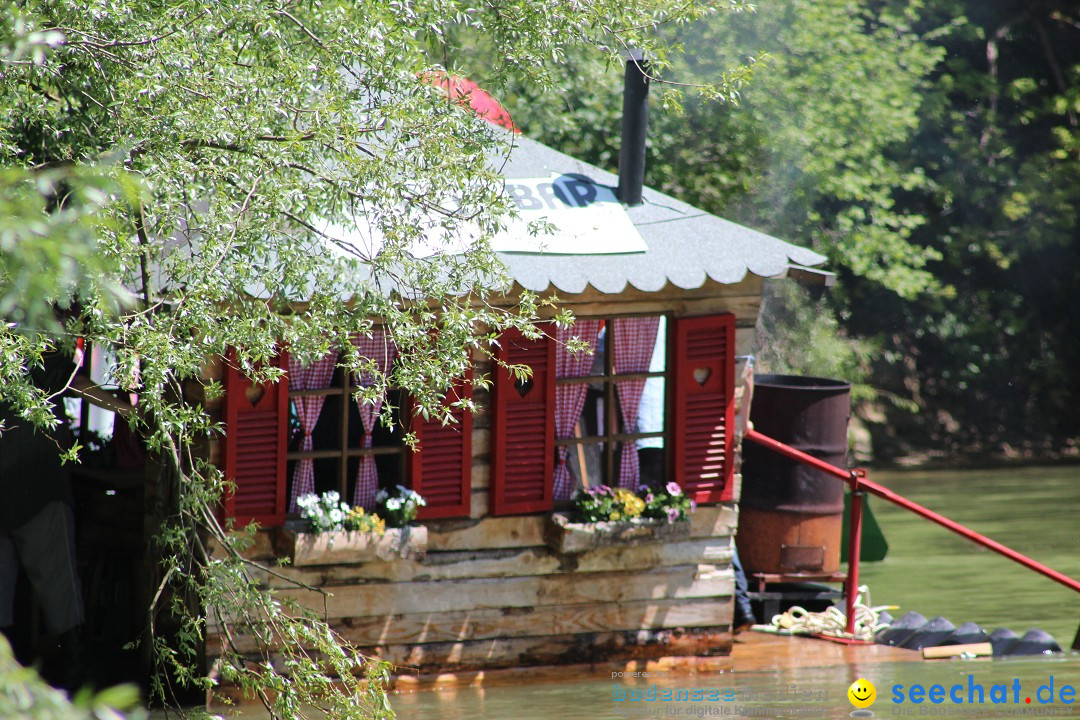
x: 441, y: 469
x: 256, y: 420
x: 523, y: 428
x: 704, y: 407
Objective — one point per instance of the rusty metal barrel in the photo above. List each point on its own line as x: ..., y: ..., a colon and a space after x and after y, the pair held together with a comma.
x: 791, y: 516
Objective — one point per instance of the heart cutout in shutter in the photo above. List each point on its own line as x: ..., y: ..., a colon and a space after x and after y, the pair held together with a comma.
x: 523, y: 386
x: 701, y: 375
x: 254, y: 394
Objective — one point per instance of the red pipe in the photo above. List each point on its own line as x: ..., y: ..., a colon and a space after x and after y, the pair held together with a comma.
x: 851, y: 583
x: 881, y: 491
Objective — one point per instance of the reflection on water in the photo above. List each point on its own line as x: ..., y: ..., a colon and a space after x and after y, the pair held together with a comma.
x: 1033, y: 510
x: 817, y: 692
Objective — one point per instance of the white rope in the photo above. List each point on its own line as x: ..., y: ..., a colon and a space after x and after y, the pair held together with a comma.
x: 832, y: 622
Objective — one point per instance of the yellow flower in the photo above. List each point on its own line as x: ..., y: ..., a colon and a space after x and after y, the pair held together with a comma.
x: 615, y: 516
x: 632, y: 506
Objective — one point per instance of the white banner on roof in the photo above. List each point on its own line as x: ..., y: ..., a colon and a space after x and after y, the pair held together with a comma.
x: 588, y: 218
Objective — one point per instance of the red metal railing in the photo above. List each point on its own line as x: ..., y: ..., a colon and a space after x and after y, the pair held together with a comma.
x: 859, y: 485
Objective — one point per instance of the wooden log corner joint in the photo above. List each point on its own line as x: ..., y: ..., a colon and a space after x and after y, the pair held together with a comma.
x: 350, y: 548
x: 571, y: 538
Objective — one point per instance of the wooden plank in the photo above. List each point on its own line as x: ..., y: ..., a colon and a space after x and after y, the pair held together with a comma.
x: 521, y: 592
x: 406, y: 686
x: 675, y: 666
x: 744, y: 340
x: 481, y: 474
x: 503, y: 532
x: 527, y: 530
x: 713, y: 521
x: 517, y: 562
x: 547, y: 620
x: 948, y: 651
x: 481, y: 440
x: 471, y: 625
x: 744, y: 308
x: 557, y: 649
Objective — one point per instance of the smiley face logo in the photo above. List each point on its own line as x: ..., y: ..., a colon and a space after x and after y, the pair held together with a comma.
x: 862, y: 693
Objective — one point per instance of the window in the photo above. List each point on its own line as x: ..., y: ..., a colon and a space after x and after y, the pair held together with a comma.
x: 338, y: 450
x: 309, y: 434
x: 618, y: 437
x: 657, y: 399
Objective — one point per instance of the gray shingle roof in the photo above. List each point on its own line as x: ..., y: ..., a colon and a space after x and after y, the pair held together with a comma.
x: 686, y: 245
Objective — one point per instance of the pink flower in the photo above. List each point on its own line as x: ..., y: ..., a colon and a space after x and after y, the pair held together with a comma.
x: 673, y: 488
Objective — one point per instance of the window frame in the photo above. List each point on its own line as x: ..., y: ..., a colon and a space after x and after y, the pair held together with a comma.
x: 610, y: 440
x: 344, y: 391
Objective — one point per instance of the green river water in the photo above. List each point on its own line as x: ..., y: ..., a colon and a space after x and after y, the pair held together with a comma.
x: 1035, y: 510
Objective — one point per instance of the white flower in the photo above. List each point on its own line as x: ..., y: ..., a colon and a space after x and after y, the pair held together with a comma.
x: 381, y: 496
x: 331, y: 497
x: 393, y: 504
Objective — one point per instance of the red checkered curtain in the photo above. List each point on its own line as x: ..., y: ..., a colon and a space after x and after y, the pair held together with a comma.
x: 315, y: 376
x: 570, y: 399
x: 634, y: 339
x: 380, y: 348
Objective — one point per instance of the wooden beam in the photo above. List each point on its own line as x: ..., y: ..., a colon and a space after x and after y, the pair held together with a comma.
x: 470, y: 625
x: 374, y: 599
x: 557, y: 649
x: 516, y: 562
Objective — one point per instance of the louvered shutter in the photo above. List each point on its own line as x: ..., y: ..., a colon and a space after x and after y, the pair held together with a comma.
x: 703, y: 406
x: 523, y: 428
x: 441, y: 470
x: 256, y: 420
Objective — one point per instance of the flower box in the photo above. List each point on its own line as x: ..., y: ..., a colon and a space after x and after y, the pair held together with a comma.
x: 571, y: 538
x: 347, y: 548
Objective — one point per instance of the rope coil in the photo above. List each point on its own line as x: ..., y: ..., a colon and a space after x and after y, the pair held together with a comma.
x: 832, y: 622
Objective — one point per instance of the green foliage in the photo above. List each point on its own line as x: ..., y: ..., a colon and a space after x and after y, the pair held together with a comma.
x: 800, y: 335
x: 178, y: 178
x: 25, y: 696
x: 994, y: 358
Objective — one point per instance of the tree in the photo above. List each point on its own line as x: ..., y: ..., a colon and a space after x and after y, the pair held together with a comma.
x: 184, y: 173
x: 993, y: 359
x: 813, y: 150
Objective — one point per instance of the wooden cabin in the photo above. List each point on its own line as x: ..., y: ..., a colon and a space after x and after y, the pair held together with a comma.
x: 492, y: 578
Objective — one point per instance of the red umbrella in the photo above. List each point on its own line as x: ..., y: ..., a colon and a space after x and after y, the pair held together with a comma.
x: 468, y: 94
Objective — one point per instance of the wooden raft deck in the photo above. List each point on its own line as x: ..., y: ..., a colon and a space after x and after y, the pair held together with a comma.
x: 764, y: 652
x: 751, y: 652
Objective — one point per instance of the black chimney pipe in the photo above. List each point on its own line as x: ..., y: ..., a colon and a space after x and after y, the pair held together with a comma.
x: 635, y: 125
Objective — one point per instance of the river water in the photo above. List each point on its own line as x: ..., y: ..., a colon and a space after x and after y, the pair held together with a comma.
x: 1035, y: 510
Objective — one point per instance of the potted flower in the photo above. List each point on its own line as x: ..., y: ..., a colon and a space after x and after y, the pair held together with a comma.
x: 666, y: 503
x: 399, y: 505
x: 339, y: 534
x: 603, y: 516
